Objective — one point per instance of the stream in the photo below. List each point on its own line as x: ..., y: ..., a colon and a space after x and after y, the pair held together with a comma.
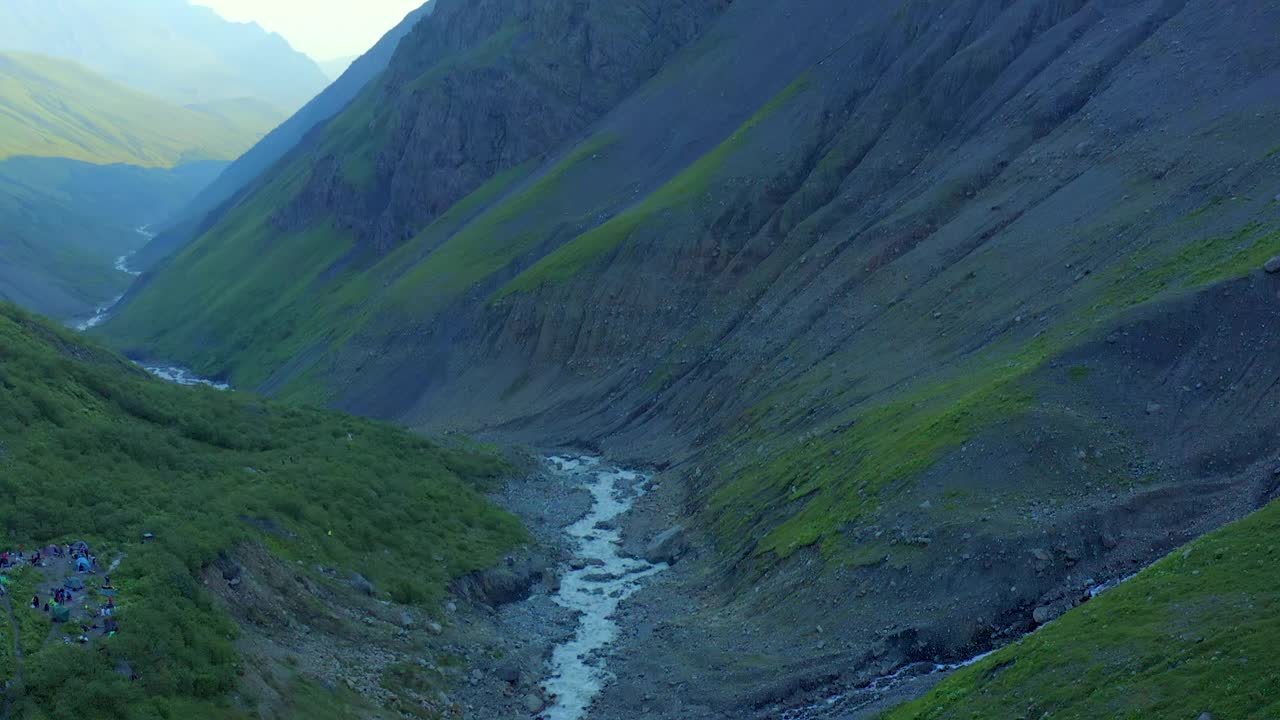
x: 103, y: 312
x: 596, y: 590
x: 182, y: 376
x: 837, y: 705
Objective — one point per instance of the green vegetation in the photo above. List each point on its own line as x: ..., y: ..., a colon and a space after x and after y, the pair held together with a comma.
x: 55, y: 108
x: 235, y: 292
x: 687, y: 187
x: 65, y: 222
x: 1079, y: 372
x: 834, y: 479
x: 1200, y: 262
x: 1194, y: 633
x: 92, y: 448
x: 830, y: 479
x: 488, y: 244
x: 482, y: 55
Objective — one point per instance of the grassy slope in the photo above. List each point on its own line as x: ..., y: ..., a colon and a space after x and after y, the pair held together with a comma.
x: 55, y: 108
x: 567, y: 261
x: 1194, y: 633
x: 839, y: 476
x: 482, y: 236
x: 92, y: 448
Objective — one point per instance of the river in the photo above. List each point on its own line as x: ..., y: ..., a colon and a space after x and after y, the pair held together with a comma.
x: 103, y: 312
x: 597, y: 589
x: 182, y: 376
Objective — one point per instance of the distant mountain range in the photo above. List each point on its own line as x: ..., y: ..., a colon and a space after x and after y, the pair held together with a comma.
x: 335, y: 67
x: 185, y: 225
x: 84, y: 161
x: 169, y: 48
x: 57, y: 108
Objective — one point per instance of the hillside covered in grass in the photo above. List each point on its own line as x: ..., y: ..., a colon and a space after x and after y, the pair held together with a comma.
x: 94, y: 449
x: 1195, y: 633
x: 51, y: 107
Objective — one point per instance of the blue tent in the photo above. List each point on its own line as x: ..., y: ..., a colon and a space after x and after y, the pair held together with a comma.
x: 82, y: 564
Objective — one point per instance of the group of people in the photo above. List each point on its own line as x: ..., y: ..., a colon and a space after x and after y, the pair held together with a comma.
x: 82, y: 561
x: 76, y: 551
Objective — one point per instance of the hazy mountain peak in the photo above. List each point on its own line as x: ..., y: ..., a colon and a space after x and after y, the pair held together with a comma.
x: 181, y: 52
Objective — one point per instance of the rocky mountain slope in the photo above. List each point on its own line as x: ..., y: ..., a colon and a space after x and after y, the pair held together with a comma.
x: 173, y: 49
x: 258, y: 560
x: 935, y: 312
x: 182, y: 227
x: 1190, y: 637
x: 85, y: 162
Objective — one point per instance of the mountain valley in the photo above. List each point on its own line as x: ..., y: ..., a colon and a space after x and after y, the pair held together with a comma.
x: 696, y: 360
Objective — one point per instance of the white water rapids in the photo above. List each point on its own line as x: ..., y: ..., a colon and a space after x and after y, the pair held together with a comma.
x: 596, y: 591
x: 182, y: 376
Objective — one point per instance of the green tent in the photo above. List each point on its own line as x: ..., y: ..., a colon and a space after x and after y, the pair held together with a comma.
x: 61, y: 614
x: 73, y: 583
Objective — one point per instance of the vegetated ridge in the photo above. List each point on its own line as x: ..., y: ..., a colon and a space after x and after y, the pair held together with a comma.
x: 269, y: 521
x: 182, y: 227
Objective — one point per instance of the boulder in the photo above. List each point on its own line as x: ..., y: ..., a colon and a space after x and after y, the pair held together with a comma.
x: 534, y: 704
x: 1273, y: 265
x: 668, y: 547
x: 361, y: 584
x: 1043, y: 614
x: 552, y: 581
x: 509, y: 672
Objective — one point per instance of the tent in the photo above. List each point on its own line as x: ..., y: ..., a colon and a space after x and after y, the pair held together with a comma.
x: 61, y: 614
x: 73, y: 583
x: 83, y: 564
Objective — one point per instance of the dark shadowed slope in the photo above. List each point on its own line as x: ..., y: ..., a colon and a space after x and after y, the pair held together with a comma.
x: 66, y: 224
x: 169, y: 48
x: 184, y: 226
x: 939, y: 309
x: 1194, y: 634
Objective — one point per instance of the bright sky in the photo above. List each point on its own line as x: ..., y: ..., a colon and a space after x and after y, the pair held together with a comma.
x: 323, y: 29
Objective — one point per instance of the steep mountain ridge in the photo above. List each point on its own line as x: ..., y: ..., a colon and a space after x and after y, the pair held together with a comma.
x: 184, y: 226
x: 833, y: 263
x: 173, y: 49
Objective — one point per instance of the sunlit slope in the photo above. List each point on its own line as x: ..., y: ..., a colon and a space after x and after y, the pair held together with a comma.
x: 56, y: 108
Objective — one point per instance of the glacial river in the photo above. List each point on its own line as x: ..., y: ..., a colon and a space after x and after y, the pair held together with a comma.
x: 578, y: 666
